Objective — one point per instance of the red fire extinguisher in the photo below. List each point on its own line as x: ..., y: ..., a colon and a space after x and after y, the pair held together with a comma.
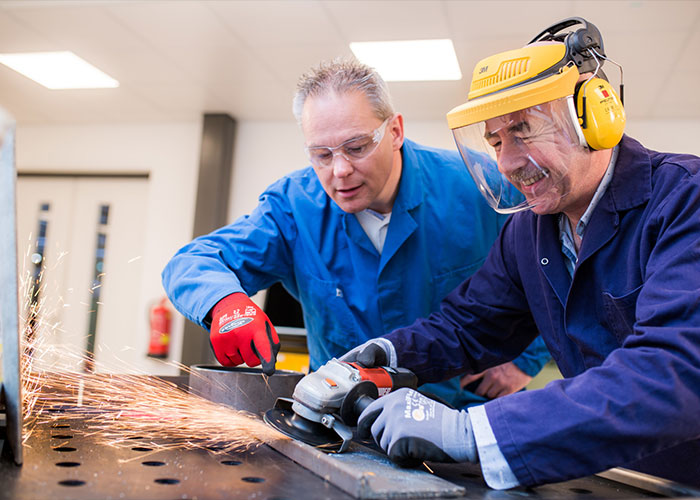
x: 159, y: 343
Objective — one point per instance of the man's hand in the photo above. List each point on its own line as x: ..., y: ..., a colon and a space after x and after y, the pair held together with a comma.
x: 498, y: 381
x: 412, y: 428
x: 373, y: 353
x: 242, y: 332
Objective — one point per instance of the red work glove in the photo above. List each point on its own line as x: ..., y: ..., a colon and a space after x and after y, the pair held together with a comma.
x: 242, y: 332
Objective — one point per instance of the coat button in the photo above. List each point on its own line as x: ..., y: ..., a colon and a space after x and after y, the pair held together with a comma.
x: 544, y: 261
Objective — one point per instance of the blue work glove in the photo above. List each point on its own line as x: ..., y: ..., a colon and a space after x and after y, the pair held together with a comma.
x: 412, y: 428
x: 373, y: 353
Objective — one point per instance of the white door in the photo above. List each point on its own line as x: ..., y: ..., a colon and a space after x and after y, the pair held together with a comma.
x: 90, y: 286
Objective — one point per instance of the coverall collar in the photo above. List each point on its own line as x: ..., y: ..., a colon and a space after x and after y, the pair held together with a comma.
x: 629, y: 188
x: 631, y: 184
x: 410, y: 193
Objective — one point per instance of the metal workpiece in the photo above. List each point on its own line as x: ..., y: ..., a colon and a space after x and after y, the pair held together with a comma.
x: 245, y: 389
x: 9, y: 306
x: 646, y: 482
x: 368, y: 474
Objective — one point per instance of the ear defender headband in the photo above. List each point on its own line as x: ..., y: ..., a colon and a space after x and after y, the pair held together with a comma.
x: 546, y: 69
x: 600, y: 111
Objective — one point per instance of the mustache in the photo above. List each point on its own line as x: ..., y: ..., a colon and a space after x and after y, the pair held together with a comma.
x: 527, y: 175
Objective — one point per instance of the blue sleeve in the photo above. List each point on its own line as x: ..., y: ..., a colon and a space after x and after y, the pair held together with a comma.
x: 247, y: 256
x: 533, y: 359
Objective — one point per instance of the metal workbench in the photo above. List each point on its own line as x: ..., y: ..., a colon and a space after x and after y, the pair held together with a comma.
x: 60, y: 462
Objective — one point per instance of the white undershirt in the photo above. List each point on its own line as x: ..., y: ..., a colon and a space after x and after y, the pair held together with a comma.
x: 375, y: 226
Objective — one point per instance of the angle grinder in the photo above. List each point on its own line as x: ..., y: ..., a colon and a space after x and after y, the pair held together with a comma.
x: 326, y: 404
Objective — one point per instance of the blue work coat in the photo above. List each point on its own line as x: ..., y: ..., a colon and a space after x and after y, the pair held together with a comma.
x: 625, y: 331
x: 440, y: 232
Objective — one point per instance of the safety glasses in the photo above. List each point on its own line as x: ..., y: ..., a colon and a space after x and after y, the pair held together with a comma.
x: 354, y: 149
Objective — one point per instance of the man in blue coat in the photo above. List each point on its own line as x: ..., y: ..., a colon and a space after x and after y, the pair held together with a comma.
x: 370, y: 237
x: 604, y: 263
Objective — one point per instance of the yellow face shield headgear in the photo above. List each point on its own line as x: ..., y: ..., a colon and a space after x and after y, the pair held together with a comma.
x: 519, y: 129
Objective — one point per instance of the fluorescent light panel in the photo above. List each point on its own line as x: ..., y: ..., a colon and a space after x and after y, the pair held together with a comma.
x: 58, y: 70
x: 410, y: 60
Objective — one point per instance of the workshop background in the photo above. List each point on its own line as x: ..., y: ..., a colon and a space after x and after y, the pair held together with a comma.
x: 112, y: 175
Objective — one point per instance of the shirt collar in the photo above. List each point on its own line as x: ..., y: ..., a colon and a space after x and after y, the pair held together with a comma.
x: 568, y: 247
x: 602, y: 187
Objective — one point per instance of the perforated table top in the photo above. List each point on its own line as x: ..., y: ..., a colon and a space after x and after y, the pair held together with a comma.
x: 61, y: 462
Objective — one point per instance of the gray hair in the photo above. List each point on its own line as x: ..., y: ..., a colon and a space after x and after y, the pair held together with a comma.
x: 340, y: 76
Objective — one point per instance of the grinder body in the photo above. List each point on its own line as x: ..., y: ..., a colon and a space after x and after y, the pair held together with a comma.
x: 331, y: 399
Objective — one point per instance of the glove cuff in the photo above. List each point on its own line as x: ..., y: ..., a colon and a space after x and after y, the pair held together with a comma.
x: 236, y: 299
x: 458, y: 437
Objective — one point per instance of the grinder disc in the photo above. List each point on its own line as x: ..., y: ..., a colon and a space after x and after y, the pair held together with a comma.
x: 304, y: 430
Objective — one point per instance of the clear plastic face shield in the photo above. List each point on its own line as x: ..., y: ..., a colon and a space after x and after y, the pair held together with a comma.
x: 522, y: 160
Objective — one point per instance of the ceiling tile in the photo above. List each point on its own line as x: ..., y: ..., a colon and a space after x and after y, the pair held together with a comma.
x: 72, y: 27
x: 513, y: 18
x: 368, y: 20
x: 16, y: 36
x: 132, y: 66
x: 276, y: 22
x: 170, y: 23
x: 230, y: 64
x: 289, y: 62
x: 245, y: 102
x: 102, y: 106
x: 179, y: 59
x: 435, y: 99
x: 639, y: 16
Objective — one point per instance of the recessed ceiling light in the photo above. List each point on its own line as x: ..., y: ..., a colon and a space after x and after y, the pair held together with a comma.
x: 410, y: 60
x: 58, y: 70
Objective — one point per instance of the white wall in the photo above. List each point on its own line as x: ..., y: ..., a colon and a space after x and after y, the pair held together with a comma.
x: 169, y: 152
x: 675, y: 136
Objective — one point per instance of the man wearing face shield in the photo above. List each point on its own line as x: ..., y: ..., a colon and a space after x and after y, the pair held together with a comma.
x: 366, y: 237
x: 601, y: 257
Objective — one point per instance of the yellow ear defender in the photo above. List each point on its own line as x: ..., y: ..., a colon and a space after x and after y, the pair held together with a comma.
x: 600, y: 113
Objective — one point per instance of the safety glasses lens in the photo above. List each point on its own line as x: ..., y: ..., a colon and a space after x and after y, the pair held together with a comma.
x: 354, y: 149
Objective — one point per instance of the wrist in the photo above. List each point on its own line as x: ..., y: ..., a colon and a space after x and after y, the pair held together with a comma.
x: 458, y: 437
